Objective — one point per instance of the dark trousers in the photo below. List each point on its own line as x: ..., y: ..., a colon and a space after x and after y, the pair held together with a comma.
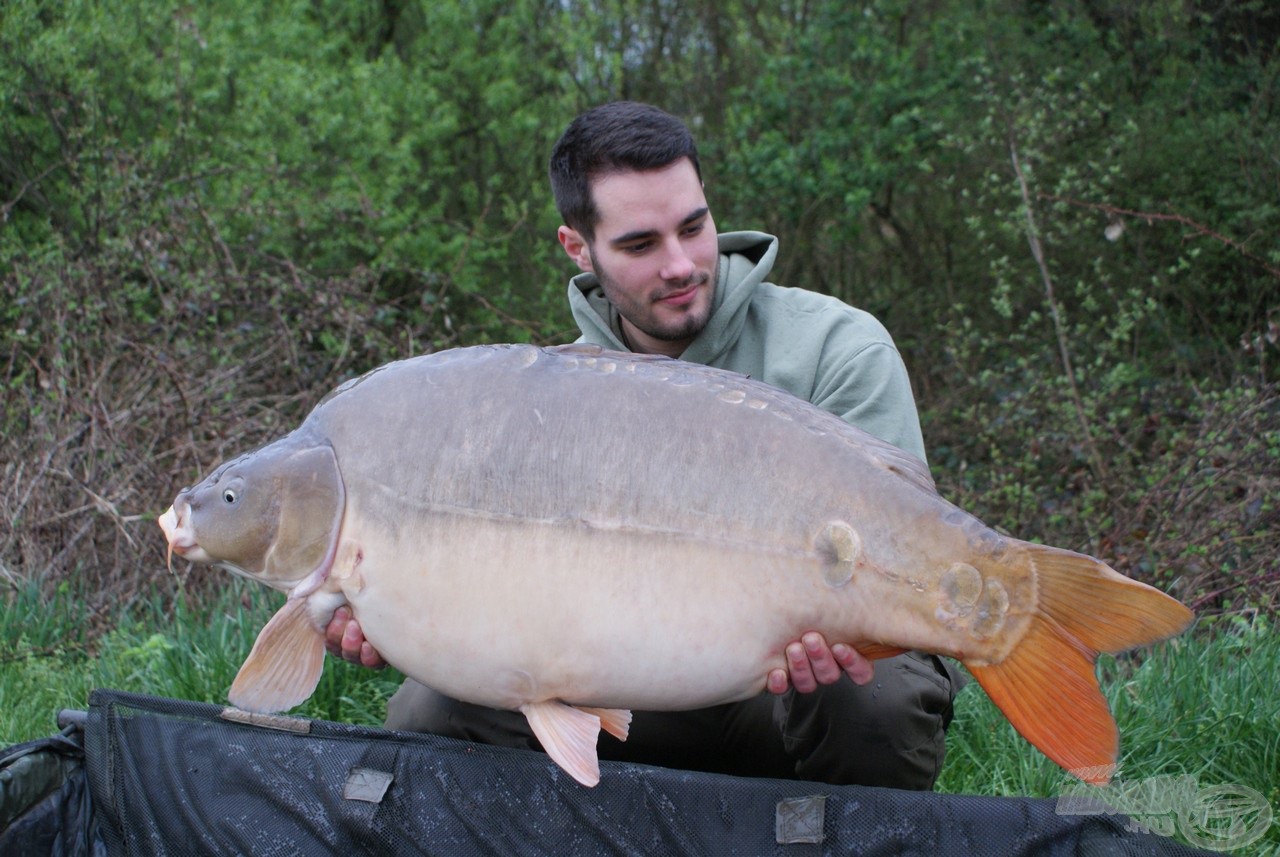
x: 890, y: 732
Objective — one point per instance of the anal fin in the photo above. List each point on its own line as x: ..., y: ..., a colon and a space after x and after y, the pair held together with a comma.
x: 876, y: 651
x: 615, y: 721
x: 285, y: 664
x: 568, y: 735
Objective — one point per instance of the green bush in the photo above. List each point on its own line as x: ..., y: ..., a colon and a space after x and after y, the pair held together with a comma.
x: 211, y: 215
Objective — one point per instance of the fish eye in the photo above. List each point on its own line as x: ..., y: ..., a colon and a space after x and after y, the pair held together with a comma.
x: 229, y: 496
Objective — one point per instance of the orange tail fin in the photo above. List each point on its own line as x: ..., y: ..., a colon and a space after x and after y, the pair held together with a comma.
x: 1046, y: 686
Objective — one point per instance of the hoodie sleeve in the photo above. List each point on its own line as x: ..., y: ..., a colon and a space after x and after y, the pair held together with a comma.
x: 838, y: 357
x: 869, y: 388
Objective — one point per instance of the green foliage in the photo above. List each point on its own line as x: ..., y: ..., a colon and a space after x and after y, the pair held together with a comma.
x: 263, y: 138
x: 212, y: 214
x: 1183, y: 497
x: 837, y: 129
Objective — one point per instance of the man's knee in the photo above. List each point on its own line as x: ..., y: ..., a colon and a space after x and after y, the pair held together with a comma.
x: 417, y: 708
x: 414, y: 708
x: 891, y: 732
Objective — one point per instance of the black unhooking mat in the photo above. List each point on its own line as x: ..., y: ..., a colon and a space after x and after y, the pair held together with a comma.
x: 172, y: 777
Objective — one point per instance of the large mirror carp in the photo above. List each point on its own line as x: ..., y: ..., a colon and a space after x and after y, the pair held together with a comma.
x: 575, y: 533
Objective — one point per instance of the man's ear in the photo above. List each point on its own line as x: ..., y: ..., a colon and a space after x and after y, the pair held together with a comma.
x: 576, y: 247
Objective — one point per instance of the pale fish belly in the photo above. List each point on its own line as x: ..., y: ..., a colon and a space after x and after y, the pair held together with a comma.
x: 502, y: 612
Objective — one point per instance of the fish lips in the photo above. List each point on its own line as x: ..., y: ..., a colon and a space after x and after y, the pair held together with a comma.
x: 176, y: 525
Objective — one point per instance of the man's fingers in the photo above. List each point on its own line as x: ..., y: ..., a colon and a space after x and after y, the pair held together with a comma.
x: 344, y: 639
x: 811, y: 663
x: 852, y: 663
x: 801, y: 672
x: 352, y: 642
x: 335, y: 630
x: 369, y: 657
x: 821, y: 661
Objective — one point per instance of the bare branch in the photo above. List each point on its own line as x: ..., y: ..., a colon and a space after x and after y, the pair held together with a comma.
x: 1037, y: 252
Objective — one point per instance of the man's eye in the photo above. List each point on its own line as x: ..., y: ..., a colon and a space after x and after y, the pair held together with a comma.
x: 636, y: 249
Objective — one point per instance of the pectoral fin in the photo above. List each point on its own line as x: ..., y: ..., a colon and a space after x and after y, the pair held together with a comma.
x: 284, y: 666
x: 569, y: 736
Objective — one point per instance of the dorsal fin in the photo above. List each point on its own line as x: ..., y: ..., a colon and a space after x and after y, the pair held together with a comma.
x: 902, y: 463
x: 590, y: 349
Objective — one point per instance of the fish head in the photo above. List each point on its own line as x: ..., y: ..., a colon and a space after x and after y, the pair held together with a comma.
x: 272, y: 515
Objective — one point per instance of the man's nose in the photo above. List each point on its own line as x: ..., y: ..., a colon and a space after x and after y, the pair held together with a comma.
x: 677, y: 265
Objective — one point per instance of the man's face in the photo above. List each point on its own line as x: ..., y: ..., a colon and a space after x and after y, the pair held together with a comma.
x: 655, y: 254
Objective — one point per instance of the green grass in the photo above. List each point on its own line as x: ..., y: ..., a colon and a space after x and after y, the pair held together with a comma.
x: 187, y: 654
x: 1204, y: 706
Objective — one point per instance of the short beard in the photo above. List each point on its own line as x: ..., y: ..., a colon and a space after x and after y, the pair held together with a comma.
x: 690, y: 326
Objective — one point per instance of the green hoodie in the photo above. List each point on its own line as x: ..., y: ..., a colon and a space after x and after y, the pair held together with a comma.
x: 811, y: 345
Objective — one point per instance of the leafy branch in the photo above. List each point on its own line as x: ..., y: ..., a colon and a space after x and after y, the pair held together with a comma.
x: 1150, y: 217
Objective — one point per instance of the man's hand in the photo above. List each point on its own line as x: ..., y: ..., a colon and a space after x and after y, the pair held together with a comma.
x: 811, y: 662
x: 344, y: 639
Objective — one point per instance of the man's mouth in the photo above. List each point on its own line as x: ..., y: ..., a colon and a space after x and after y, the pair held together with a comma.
x: 682, y: 296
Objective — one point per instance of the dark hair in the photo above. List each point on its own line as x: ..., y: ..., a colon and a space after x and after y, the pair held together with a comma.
x: 620, y: 135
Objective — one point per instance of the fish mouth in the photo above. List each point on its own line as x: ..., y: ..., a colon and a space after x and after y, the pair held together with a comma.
x: 176, y: 525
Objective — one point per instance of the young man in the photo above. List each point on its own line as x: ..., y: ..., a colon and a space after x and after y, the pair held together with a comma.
x: 658, y: 279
